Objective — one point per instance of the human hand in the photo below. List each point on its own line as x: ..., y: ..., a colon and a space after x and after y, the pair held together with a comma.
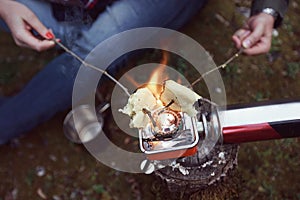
x: 21, y: 22
x: 256, y: 35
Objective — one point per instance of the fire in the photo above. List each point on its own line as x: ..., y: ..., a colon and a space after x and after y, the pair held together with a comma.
x: 157, y: 77
x: 131, y: 80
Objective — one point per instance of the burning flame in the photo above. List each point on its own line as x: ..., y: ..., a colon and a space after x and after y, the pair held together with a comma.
x: 158, y: 76
x: 154, y: 84
x: 131, y: 80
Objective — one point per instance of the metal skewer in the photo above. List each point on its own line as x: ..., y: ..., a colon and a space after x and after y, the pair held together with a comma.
x: 91, y: 66
x: 168, y: 105
x: 220, y: 66
x: 147, y: 112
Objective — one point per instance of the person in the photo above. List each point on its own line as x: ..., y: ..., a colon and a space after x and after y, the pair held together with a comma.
x: 81, y: 25
x: 256, y: 35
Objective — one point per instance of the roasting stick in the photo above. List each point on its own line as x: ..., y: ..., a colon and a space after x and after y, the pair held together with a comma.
x: 219, y: 67
x: 148, y: 112
x: 91, y: 66
x: 167, y: 106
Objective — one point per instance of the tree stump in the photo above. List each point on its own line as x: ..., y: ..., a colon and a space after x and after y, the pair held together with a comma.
x: 212, y: 177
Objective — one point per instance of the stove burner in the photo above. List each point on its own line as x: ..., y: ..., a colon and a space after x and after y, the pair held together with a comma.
x: 171, y: 131
x: 176, y: 134
x: 167, y: 122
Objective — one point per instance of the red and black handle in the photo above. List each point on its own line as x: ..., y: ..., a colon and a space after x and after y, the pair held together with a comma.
x: 263, y: 121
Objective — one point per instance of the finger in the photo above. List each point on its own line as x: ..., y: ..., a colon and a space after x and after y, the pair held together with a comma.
x: 27, y: 27
x: 254, y: 50
x: 242, y: 33
x: 261, y: 47
x: 32, y: 20
x: 237, y: 41
x: 42, y: 46
x: 254, y: 37
x: 239, y: 36
x: 50, y: 35
x: 26, y: 45
x: 25, y: 37
x: 45, y: 45
x: 239, y: 32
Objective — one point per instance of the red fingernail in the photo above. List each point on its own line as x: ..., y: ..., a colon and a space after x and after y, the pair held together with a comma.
x: 49, y: 35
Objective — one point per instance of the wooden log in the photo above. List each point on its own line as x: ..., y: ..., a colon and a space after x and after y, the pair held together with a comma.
x: 212, y: 177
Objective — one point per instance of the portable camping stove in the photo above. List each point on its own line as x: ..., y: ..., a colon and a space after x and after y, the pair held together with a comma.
x: 174, y: 134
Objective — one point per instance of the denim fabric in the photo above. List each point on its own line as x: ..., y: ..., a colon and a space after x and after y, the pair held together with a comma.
x: 50, y: 90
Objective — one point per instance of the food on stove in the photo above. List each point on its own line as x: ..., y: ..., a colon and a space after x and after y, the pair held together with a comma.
x: 141, y: 99
x: 183, y: 97
x: 177, y: 97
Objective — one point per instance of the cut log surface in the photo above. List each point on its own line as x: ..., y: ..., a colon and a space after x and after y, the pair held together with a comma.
x: 212, y: 174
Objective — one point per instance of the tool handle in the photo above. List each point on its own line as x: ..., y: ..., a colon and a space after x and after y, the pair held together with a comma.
x: 262, y: 131
x: 266, y: 121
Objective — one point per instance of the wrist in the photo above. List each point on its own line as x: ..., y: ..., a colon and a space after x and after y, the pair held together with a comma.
x: 268, y: 19
x: 271, y: 12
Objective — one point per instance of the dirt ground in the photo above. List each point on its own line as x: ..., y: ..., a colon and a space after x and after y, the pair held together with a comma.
x: 43, y: 164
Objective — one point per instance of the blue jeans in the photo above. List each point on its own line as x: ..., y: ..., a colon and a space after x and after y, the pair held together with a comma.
x: 50, y: 91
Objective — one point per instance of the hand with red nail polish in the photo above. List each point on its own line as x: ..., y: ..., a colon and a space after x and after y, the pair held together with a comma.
x: 256, y: 35
x: 21, y: 22
x: 49, y: 35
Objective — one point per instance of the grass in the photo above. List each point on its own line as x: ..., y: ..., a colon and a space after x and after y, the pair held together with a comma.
x: 293, y: 69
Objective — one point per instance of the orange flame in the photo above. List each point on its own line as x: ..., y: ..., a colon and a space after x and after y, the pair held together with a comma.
x: 154, y: 84
x: 158, y: 77
x: 132, y: 81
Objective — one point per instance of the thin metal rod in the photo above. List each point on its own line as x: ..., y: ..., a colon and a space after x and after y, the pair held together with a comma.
x: 209, y: 101
x: 165, y: 108
x: 169, y: 104
x: 219, y: 67
x: 147, y: 112
x: 92, y: 66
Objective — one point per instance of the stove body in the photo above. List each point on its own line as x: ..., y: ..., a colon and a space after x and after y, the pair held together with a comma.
x: 178, y: 135
x: 175, y: 134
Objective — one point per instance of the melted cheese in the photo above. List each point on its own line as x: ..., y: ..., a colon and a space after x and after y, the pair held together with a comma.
x: 142, y: 98
x: 184, y: 98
